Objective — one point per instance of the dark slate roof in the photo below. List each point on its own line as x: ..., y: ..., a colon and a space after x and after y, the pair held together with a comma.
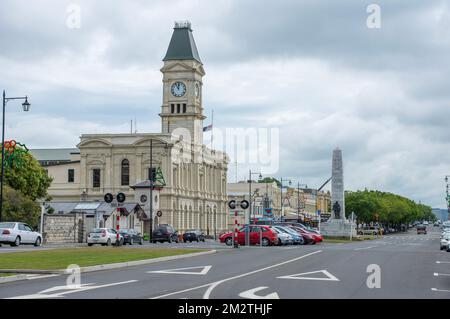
x: 53, y: 154
x: 182, y: 45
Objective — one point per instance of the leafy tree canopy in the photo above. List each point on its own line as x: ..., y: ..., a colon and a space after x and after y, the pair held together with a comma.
x: 372, y: 205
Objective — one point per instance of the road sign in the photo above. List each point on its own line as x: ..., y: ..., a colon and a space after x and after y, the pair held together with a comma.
x: 121, y: 197
x: 159, y: 213
x: 232, y: 204
x: 244, y: 204
x: 108, y: 198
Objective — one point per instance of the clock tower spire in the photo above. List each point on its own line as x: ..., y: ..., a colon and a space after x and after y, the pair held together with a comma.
x: 182, y: 85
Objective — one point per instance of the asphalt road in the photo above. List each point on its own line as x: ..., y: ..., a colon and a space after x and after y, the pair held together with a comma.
x: 410, y: 266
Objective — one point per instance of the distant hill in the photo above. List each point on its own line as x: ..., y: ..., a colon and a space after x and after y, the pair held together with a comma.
x: 440, y: 213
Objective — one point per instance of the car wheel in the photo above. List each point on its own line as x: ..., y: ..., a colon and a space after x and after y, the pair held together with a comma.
x: 229, y: 241
x: 170, y: 240
x: 90, y: 245
x: 16, y: 242
x: 108, y: 243
x: 265, y: 242
x: 37, y: 243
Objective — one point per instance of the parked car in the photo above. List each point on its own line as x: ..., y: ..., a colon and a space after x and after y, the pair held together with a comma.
x: 269, y: 237
x: 445, y: 241
x: 421, y: 229
x: 165, y: 232
x: 284, y: 238
x: 131, y: 236
x: 193, y: 235
x: 297, y: 238
x: 15, y: 234
x: 307, y: 236
x: 104, y: 237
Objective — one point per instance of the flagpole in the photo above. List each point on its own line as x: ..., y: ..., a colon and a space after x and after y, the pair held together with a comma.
x: 212, y: 127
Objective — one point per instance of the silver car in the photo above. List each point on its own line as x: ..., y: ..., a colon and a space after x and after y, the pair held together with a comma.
x: 283, y: 238
x: 15, y: 234
x: 445, y: 241
x: 104, y: 237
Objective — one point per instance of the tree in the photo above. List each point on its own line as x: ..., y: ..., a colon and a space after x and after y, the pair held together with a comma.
x: 270, y: 180
x: 25, y: 182
x: 387, y: 208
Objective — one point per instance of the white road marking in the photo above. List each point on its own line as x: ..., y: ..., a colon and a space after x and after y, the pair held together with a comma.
x: 362, y: 248
x: 70, y: 290
x: 250, y: 294
x: 442, y: 262
x: 212, y: 285
x: 179, y: 271
x: 441, y: 290
x: 329, y: 277
x: 437, y: 274
x: 42, y: 276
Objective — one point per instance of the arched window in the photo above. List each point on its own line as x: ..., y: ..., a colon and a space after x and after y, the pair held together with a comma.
x: 125, y: 172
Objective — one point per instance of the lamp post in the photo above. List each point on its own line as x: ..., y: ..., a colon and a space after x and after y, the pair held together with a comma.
x: 26, y: 108
x: 281, y: 194
x: 447, y: 195
x: 298, y: 199
x: 249, y: 212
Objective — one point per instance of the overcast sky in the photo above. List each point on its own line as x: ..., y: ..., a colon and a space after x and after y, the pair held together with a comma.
x: 313, y: 69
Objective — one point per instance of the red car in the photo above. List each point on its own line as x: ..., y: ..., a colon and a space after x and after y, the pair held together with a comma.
x: 269, y: 237
x: 309, y: 237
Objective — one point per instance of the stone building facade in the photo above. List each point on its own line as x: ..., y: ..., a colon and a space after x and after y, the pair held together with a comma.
x: 194, y: 176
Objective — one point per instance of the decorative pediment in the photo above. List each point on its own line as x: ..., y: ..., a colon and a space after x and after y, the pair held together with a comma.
x: 94, y: 142
x: 177, y: 67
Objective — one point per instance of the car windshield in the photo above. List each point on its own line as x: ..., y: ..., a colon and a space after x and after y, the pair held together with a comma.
x: 7, y: 225
x: 97, y: 230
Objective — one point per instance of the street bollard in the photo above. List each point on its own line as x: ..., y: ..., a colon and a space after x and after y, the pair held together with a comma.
x: 260, y: 237
x: 118, y: 226
x: 236, y: 230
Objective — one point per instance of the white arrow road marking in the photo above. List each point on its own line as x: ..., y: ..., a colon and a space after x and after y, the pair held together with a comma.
x: 442, y: 290
x: 213, y: 285
x: 179, y: 271
x: 329, y: 277
x: 70, y: 290
x: 250, y: 294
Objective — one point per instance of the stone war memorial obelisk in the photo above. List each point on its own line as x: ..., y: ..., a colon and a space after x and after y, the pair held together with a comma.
x: 337, y: 225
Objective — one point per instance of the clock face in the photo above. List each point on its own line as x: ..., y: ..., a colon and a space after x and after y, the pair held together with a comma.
x: 178, y: 89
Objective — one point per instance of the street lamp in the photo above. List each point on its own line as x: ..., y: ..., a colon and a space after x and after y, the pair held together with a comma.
x: 447, y: 197
x: 26, y: 108
x: 281, y: 193
x: 298, y: 199
x: 249, y: 216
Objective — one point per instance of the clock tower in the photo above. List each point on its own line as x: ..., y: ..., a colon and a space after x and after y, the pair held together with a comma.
x: 182, y: 85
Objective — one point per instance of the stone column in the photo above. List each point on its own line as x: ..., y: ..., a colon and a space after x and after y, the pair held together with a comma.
x: 337, y: 185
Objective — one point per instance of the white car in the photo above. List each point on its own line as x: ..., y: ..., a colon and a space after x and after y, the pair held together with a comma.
x: 14, y: 234
x: 104, y: 237
x: 283, y: 237
x: 445, y: 241
x: 445, y: 232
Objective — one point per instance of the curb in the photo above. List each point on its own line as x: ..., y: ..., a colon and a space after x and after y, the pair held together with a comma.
x: 24, y: 274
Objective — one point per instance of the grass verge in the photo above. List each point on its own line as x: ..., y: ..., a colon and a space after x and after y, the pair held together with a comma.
x: 83, y: 257
x: 339, y: 240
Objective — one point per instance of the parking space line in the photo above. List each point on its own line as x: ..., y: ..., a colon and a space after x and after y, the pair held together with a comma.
x: 362, y: 248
